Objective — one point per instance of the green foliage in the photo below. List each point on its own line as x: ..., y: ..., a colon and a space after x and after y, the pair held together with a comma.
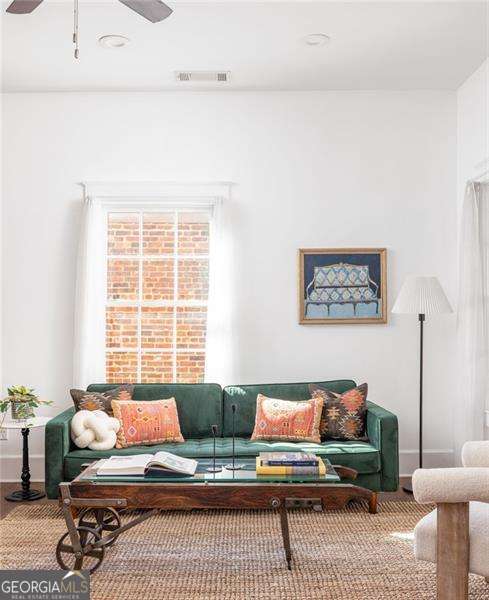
x: 21, y: 393
x: 21, y: 390
x: 24, y: 399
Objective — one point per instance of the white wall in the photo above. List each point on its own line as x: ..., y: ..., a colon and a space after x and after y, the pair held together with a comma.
x: 312, y: 169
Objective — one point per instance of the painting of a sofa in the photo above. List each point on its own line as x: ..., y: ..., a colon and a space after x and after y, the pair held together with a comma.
x: 342, y: 285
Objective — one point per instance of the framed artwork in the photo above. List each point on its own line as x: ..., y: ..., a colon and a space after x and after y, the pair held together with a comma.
x: 342, y: 285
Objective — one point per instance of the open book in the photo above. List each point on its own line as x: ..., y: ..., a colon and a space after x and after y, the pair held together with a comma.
x: 161, y: 463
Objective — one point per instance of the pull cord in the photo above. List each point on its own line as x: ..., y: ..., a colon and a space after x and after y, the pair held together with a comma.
x: 75, y: 27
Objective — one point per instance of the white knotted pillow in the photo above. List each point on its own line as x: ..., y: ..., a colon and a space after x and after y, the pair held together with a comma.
x: 94, y: 429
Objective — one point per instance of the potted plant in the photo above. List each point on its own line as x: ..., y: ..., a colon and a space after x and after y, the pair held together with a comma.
x: 22, y: 401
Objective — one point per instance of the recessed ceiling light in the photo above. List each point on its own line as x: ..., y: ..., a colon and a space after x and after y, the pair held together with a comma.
x: 316, y: 39
x: 113, y: 41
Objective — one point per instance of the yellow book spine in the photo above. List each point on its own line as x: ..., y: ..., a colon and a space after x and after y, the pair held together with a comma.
x: 281, y: 470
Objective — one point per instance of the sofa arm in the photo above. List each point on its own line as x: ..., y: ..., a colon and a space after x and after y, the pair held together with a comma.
x: 451, y: 485
x: 57, y: 446
x: 475, y: 454
x: 382, y: 432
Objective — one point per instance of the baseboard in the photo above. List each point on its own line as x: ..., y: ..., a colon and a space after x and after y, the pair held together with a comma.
x: 11, y: 464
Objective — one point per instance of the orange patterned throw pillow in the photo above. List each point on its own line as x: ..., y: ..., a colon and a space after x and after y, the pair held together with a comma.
x: 344, y: 415
x: 146, y: 423
x: 286, y: 420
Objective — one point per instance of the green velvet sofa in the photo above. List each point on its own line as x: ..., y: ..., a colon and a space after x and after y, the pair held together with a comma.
x: 202, y: 405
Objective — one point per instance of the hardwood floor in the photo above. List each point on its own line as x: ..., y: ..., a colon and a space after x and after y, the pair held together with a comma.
x: 7, y: 488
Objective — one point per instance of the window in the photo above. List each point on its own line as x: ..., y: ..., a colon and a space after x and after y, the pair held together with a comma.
x: 157, y: 292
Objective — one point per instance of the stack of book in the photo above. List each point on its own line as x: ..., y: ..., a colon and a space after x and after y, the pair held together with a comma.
x: 289, y: 463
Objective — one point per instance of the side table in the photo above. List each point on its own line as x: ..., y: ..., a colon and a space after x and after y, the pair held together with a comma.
x: 25, y: 493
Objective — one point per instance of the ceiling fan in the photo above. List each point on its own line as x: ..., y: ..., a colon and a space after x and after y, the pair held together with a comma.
x: 152, y: 10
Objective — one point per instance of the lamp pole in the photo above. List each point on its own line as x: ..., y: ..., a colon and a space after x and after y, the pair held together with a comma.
x: 421, y: 317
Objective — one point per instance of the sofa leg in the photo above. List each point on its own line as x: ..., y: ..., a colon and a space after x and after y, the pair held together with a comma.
x: 372, y: 503
x: 452, y: 551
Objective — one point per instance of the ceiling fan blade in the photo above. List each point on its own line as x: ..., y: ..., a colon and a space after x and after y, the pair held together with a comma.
x: 23, y: 7
x: 153, y: 10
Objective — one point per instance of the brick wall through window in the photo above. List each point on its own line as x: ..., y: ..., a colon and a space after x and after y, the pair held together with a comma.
x: 157, y: 289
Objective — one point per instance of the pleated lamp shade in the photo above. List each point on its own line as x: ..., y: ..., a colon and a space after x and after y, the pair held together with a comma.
x: 422, y: 296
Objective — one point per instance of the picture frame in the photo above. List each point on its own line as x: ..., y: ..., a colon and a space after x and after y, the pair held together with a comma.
x: 342, y: 286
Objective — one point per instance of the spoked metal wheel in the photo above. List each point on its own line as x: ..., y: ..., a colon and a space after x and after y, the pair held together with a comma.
x: 90, y: 560
x: 100, y: 519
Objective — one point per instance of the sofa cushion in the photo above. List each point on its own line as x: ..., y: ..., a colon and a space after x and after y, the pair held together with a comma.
x: 361, y: 456
x: 199, y: 405
x: 244, y: 396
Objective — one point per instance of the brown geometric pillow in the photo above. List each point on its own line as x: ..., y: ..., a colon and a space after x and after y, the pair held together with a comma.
x: 84, y: 400
x: 344, y: 415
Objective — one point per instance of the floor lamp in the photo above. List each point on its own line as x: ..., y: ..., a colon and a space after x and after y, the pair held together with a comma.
x: 421, y: 296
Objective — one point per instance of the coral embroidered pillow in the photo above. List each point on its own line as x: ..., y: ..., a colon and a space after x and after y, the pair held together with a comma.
x: 148, y: 423
x: 286, y: 420
x: 344, y: 415
x: 100, y: 400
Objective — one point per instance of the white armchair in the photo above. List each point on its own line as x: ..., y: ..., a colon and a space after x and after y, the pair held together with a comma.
x: 456, y: 534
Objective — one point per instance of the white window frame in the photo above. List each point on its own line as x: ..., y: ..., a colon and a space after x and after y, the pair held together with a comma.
x: 159, y: 197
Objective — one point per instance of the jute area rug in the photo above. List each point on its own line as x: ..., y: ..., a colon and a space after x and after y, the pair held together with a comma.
x: 221, y: 555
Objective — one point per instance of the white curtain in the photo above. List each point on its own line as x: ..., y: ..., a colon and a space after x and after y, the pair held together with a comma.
x: 472, y: 333
x: 221, y: 359
x: 89, y: 326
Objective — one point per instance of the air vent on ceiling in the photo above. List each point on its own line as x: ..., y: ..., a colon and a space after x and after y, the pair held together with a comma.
x: 203, y: 76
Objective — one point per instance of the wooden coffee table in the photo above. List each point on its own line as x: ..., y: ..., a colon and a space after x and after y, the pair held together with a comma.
x: 91, y: 504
